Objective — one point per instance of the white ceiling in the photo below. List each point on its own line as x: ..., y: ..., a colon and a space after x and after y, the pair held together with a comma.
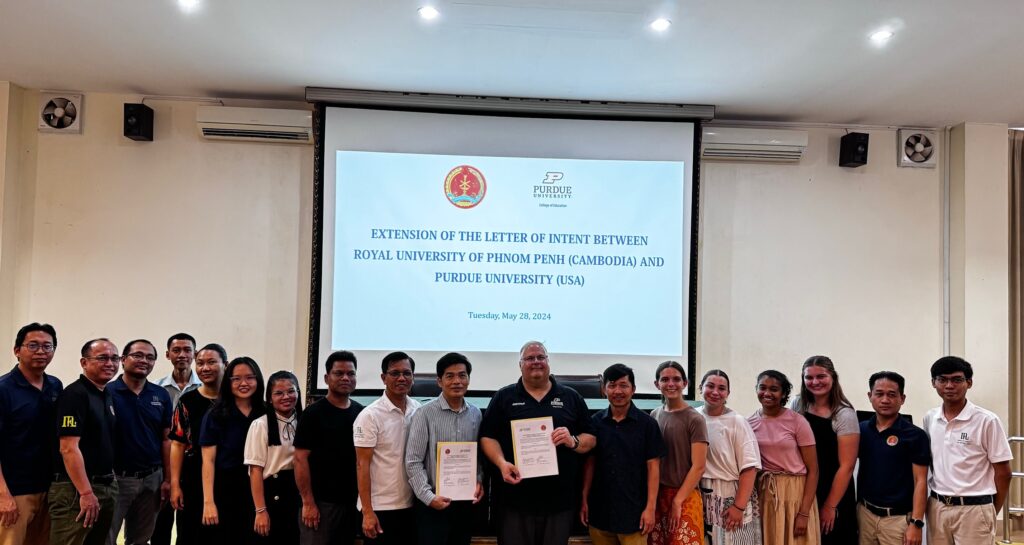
x: 782, y: 60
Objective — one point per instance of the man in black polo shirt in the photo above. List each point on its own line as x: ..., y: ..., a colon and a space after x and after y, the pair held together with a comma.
x: 84, y: 492
x: 538, y: 510
x: 27, y: 397
x: 620, y: 477
x: 325, y: 459
x: 892, y: 483
x: 143, y: 449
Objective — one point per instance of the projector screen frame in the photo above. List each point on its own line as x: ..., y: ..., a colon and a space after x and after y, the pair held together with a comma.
x: 315, y: 308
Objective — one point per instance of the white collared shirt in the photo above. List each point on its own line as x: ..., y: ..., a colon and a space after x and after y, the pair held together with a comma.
x: 168, y: 383
x: 383, y: 427
x: 964, y: 449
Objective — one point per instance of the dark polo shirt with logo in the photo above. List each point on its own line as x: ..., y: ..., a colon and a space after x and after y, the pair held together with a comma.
x: 141, y: 421
x: 886, y: 477
x: 541, y: 495
x: 26, y: 420
x: 85, y: 411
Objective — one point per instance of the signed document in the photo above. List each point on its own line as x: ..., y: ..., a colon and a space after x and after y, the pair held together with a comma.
x: 534, y: 452
x: 456, y: 470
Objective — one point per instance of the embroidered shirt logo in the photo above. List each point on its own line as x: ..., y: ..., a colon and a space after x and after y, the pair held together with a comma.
x: 556, y: 402
x: 892, y: 440
x: 69, y: 422
x: 964, y: 438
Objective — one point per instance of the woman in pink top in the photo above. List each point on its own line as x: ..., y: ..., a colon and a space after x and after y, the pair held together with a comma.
x: 787, y: 483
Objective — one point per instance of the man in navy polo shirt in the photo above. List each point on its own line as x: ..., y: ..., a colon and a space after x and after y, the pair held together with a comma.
x: 620, y: 477
x: 143, y: 449
x: 27, y: 397
x: 84, y: 492
x: 537, y: 511
x: 892, y: 484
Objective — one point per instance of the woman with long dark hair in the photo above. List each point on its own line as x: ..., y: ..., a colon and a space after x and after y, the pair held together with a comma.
x: 269, y: 454
x: 730, y: 502
x: 679, y: 513
x: 789, y: 475
x: 837, y: 439
x: 227, y: 499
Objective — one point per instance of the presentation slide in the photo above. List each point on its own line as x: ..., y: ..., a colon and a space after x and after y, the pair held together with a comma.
x: 481, y: 253
x: 476, y: 233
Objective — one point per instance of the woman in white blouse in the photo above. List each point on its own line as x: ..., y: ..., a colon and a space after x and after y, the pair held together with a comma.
x: 269, y: 454
x: 731, y: 511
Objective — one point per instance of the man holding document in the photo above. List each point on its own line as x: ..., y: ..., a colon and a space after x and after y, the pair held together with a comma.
x: 534, y: 432
x: 441, y: 458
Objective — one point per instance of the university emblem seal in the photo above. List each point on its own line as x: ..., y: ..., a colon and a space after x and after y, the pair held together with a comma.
x: 465, y: 186
x: 892, y: 440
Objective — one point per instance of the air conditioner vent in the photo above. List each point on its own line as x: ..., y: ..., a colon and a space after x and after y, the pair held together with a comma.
x: 236, y: 134
x: 255, y: 124
x: 765, y: 145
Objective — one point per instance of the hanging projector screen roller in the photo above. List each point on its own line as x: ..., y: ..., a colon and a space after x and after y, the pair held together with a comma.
x: 474, y: 234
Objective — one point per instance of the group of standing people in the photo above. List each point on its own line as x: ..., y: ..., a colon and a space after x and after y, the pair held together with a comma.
x: 235, y: 458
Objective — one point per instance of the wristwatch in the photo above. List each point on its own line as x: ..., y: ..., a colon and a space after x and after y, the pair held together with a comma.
x: 916, y: 522
x: 575, y: 442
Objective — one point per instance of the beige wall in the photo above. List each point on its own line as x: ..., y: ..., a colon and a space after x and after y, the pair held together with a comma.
x: 142, y: 239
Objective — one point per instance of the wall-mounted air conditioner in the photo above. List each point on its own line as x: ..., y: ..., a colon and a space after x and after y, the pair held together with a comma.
x: 255, y: 124
x: 735, y: 144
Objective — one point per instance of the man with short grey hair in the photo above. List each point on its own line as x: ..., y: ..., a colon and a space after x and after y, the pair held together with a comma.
x: 540, y: 510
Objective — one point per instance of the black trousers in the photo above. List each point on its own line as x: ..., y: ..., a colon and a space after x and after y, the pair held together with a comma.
x: 450, y: 526
x: 399, y: 527
x: 284, y: 507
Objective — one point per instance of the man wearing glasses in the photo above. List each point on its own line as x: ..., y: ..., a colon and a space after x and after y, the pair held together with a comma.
x: 83, y: 492
x: 27, y: 398
x: 379, y: 435
x: 538, y: 510
x: 143, y: 449
x: 970, y: 472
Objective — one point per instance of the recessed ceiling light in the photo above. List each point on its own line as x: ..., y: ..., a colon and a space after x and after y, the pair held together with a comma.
x: 879, y: 37
x: 661, y: 24
x: 428, y: 12
x: 188, y: 5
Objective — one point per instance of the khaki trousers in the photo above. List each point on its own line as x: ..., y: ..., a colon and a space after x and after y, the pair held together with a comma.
x: 876, y: 530
x: 33, y: 524
x: 960, y: 524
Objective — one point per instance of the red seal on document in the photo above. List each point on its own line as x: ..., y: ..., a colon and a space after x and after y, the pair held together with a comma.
x: 465, y: 186
x: 892, y: 440
x: 543, y: 427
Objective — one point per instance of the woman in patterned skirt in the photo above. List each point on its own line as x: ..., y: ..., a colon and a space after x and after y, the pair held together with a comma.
x: 731, y: 512
x: 679, y: 514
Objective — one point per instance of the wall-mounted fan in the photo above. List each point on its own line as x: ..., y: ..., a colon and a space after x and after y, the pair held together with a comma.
x: 917, y: 148
x: 60, y: 112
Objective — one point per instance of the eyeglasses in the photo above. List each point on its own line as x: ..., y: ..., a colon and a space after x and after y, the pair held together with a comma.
x: 105, y: 359
x: 35, y: 347
x: 947, y: 380
x: 142, y: 356
x: 397, y: 374
x: 531, y: 359
x: 246, y: 378
x: 282, y: 393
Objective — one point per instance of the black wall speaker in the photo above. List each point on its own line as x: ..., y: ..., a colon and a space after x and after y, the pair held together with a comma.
x: 853, y: 149
x: 138, y: 122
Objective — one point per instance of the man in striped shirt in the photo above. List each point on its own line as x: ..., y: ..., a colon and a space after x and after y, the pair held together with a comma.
x: 441, y: 520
